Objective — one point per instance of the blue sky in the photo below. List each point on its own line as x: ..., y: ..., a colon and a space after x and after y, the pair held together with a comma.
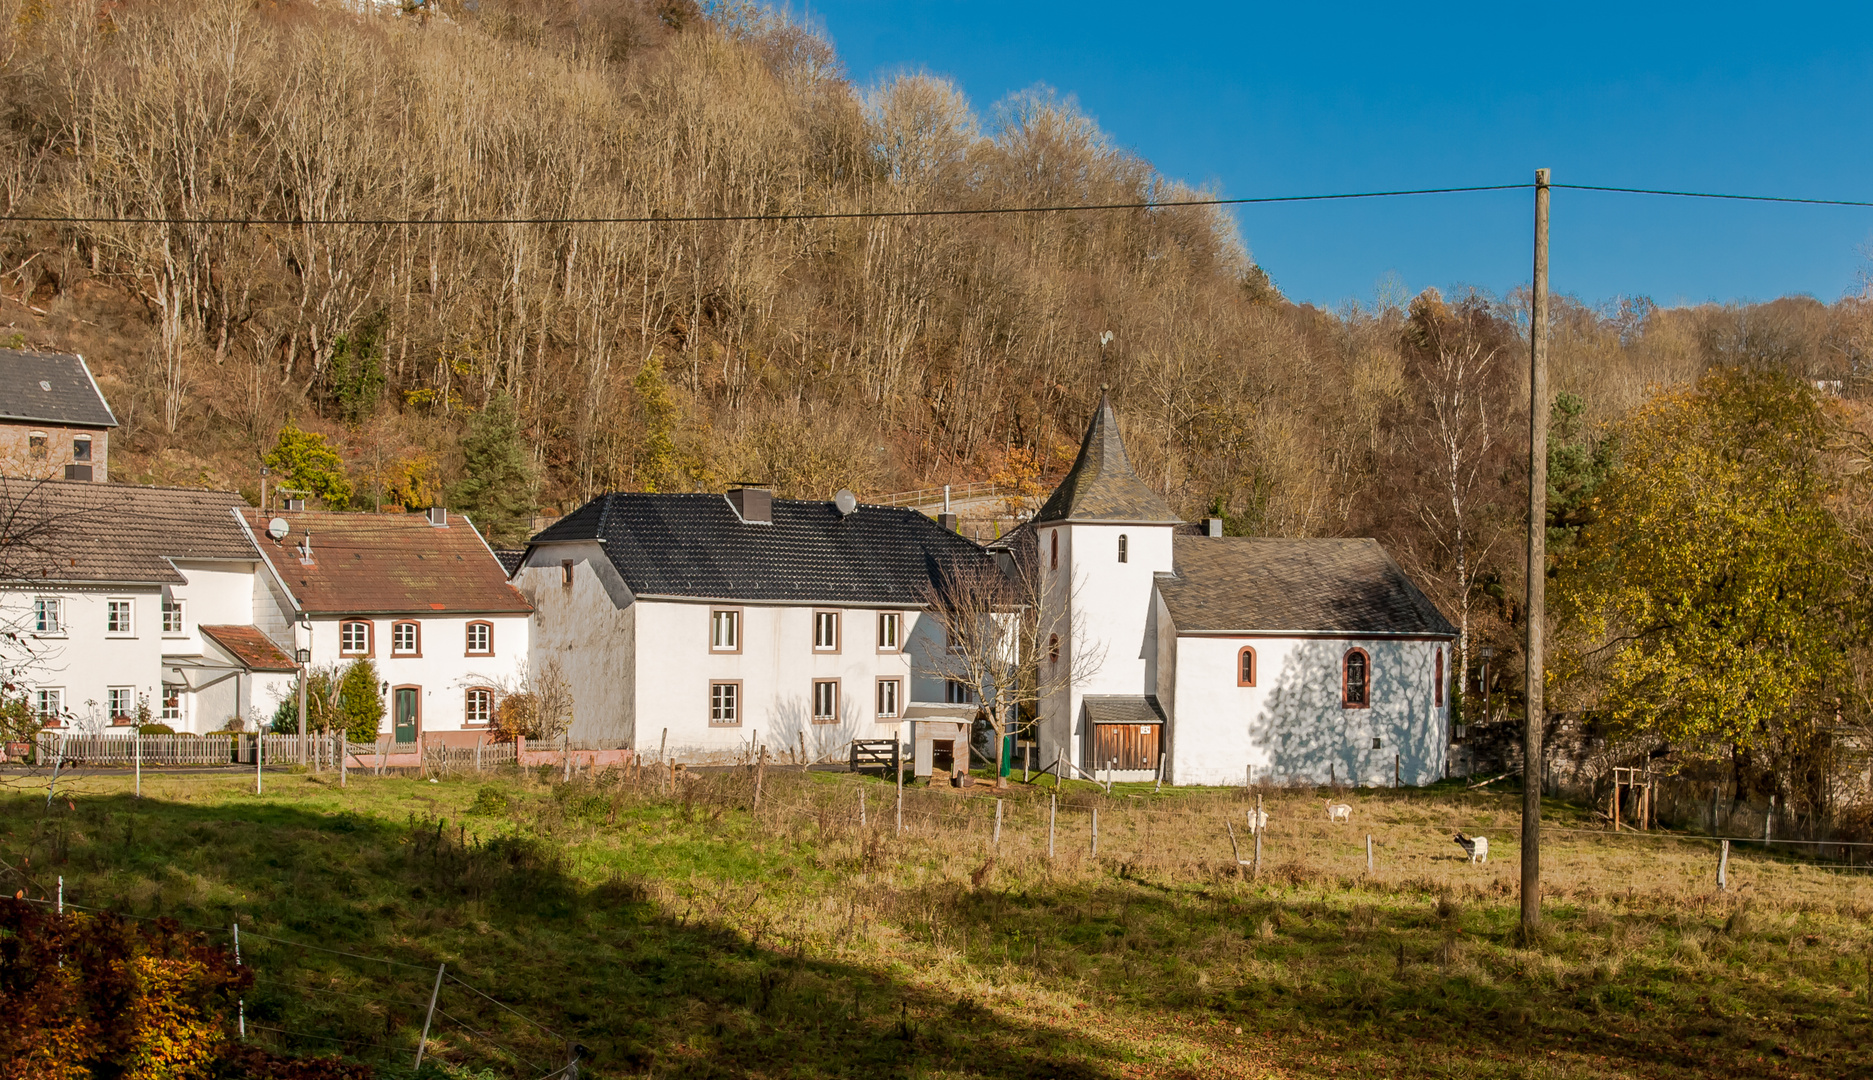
x: 1258, y: 99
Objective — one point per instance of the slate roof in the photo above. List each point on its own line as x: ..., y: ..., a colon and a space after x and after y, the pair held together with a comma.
x: 510, y: 559
x: 51, y: 388
x: 251, y: 647
x: 695, y: 546
x: 1236, y: 584
x: 80, y: 531
x: 386, y: 564
x: 1123, y: 709
x: 1101, y: 486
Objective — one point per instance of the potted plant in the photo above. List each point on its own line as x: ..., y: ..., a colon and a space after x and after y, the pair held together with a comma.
x: 19, y: 723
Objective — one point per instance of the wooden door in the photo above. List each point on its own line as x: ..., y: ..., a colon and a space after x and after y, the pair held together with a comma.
x: 1126, y: 747
x: 404, y: 711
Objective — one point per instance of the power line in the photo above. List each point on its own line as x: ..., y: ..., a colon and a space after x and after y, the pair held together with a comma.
x: 1714, y: 195
x: 695, y: 219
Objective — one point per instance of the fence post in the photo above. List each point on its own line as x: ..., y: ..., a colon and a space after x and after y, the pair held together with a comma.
x: 1368, y: 853
x: 478, y: 739
x: 260, y: 751
x: 1768, y: 820
x: 1258, y: 835
x: 344, y: 756
x: 237, y: 963
x: 861, y: 809
x: 803, y: 760
x: 1723, y: 867
x: 897, y: 770
x: 760, y: 767
x: 1095, y: 832
x: 433, y: 993
x: 565, y: 744
x: 139, y: 747
x: 58, y: 759
x: 998, y: 823
x: 1053, y: 809
x: 1397, y: 770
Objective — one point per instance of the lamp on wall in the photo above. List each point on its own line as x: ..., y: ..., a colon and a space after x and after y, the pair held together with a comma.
x: 303, y: 656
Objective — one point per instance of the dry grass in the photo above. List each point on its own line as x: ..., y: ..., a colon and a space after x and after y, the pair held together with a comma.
x: 685, y: 936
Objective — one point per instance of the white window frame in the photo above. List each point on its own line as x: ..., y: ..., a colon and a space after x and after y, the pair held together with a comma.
x: 486, y: 628
x: 49, y: 703
x: 172, y: 715
x: 415, y: 631
x: 344, y: 647
x: 826, y: 693
x: 825, y: 631
x: 175, y: 618
x: 725, y: 630
x: 53, y: 606
x: 890, y: 631
x: 474, y: 694
x: 725, y: 703
x: 125, y: 628
x: 890, y: 699
x: 129, y: 696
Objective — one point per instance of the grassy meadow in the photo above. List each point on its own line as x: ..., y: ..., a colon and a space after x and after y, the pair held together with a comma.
x: 677, y: 933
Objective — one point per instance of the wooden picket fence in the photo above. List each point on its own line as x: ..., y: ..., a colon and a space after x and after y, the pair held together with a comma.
x: 110, y: 749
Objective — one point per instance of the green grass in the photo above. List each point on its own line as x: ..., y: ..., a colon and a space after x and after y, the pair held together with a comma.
x: 689, y: 937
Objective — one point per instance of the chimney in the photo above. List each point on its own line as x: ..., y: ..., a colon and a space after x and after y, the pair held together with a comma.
x: 439, y: 516
x: 948, y: 521
x: 1215, y: 527
x: 753, y: 505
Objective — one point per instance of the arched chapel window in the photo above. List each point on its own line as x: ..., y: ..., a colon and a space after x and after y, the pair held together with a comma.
x: 1245, y: 666
x: 1124, y: 548
x: 1053, y: 545
x: 1356, y: 679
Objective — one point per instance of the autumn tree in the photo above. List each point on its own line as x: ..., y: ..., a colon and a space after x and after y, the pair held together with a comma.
x: 305, y: 461
x: 1708, y: 602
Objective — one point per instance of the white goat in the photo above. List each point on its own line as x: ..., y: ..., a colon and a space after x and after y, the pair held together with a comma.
x: 1476, y: 846
x: 1339, y: 811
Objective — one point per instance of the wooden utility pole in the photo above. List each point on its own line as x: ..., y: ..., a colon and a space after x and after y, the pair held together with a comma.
x: 1537, y: 609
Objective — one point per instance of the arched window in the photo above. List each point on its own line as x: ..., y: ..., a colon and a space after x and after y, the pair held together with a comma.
x: 1053, y: 545
x: 1124, y: 548
x: 1053, y: 648
x: 1245, y: 666
x: 1356, y: 679
x: 1437, y: 688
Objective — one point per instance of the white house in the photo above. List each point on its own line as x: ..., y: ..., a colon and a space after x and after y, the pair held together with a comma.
x: 702, y: 625
x: 421, y: 596
x: 1226, y: 660
x: 123, y: 595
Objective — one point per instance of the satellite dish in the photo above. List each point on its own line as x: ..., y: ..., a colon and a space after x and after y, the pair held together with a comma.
x: 845, y: 501
x: 278, y: 528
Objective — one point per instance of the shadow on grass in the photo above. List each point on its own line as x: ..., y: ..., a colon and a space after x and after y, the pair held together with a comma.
x: 645, y: 990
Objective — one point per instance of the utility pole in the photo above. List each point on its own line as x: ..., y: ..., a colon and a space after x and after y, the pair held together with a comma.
x: 1537, y: 608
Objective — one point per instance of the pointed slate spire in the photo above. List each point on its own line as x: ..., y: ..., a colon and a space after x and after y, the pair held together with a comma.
x: 1101, y: 486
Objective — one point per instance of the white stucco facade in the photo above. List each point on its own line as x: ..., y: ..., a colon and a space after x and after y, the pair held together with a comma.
x: 1293, y: 724
x: 1099, y: 607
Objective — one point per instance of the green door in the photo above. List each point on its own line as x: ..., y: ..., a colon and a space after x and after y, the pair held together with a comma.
x: 405, y: 711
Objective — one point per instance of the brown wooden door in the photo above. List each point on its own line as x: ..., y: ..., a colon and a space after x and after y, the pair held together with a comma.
x: 1125, y: 747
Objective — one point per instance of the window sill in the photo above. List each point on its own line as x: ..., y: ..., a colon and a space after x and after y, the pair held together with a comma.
x: 725, y: 723
x: 406, y: 656
x: 481, y: 655
x: 825, y: 721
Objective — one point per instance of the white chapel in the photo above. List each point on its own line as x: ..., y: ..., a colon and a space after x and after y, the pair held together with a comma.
x: 1229, y: 660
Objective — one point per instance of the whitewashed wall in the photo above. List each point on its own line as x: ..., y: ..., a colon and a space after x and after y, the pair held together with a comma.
x: 83, y: 660
x: 1291, y: 724
x: 776, y: 666
x: 444, y: 672
x: 589, y: 626
x: 1109, y: 604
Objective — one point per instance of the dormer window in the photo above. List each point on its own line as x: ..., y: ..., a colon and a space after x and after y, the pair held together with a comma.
x: 1124, y: 548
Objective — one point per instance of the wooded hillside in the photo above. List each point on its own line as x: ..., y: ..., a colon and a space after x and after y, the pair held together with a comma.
x: 879, y: 354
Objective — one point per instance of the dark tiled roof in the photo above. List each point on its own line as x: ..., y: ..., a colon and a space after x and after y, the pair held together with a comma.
x: 50, y: 388
x: 696, y: 546
x: 1123, y: 709
x: 251, y: 647
x: 1101, y: 486
x: 1244, y: 585
x: 510, y: 559
x: 387, y: 564
x: 80, y: 531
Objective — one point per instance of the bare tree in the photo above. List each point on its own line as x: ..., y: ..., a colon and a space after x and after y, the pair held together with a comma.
x: 1001, y: 642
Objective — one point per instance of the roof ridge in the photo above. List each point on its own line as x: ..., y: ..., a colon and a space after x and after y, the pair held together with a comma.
x: 92, y: 485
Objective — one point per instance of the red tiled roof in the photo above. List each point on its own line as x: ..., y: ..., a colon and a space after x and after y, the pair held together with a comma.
x: 251, y: 647
x: 391, y: 564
